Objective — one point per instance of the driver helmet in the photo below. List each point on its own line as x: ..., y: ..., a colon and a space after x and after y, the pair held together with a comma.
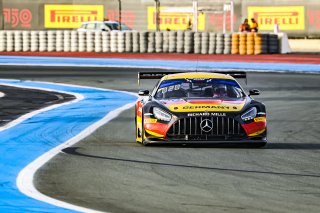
x: 220, y: 90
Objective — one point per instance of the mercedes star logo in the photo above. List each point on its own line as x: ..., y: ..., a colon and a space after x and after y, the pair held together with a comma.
x: 206, y: 125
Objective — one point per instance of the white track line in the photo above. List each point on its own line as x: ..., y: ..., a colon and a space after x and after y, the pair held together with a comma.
x: 26, y: 176
x: 2, y: 94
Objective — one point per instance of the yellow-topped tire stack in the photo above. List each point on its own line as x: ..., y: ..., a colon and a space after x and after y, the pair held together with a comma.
x: 243, y: 43
x: 235, y: 43
x: 250, y: 43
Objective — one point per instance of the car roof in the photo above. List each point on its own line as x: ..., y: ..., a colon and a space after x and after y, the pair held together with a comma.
x: 197, y: 75
x: 111, y: 22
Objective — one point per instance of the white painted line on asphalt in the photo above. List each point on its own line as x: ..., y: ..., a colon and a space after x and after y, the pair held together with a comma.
x: 26, y: 176
x: 33, y: 113
x: 2, y: 94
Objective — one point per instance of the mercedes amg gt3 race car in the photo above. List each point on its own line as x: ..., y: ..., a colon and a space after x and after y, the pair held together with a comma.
x: 199, y: 107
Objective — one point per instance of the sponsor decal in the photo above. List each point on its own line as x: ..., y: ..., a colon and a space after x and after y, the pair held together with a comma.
x: 314, y: 19
x: 127, y: 16
x: 260, y: 119
x: 288, y: 17
x: 174, y: 18
x: 206, y: 107
x: 71, y: 16
x: 150, y: 120
x: 17, y: 17
x: 206, y: 125
x: 213, y: 114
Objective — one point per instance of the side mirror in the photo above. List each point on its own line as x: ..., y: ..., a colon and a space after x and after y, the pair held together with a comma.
x: 143, y: 92
x: 254, y: 92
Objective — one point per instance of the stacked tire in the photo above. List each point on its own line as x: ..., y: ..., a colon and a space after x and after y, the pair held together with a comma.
x: 121, y: 41
x: 212, y: 43
x: 180, y: 41
x: 151, y: 42
x: 98, y: 42
x: 52, y: 41
x: 135, y: 42
x: 159, y: 42
x: 260, y: 43
x: 165, y: 46
x: 105, y: 41
x: 204, y: 43
x: 227, y: 44
x: 74, y: 41
x: 188, y: 42
x: 128, y: 45
x: 43, y: 42
x: 273, y: 44
x: 82, y: 41
x: 197, y: 43
x: 143, y: 41
x: 220, y: 43
x: 250, y: 43
x: 243, y: 43
x: 10, y: 41
x: 90, y: 41
x: 34, y: 41
x: 59, y: 41
x: 66, y: 41
x: 3, y: 41
x: 18, y: 41
x: 172, y: 41
x: 113, y: 41
x: 235, y: 43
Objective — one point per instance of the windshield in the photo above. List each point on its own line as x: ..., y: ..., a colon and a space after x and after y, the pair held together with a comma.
x: 115, y: 26
x: 199, y: 88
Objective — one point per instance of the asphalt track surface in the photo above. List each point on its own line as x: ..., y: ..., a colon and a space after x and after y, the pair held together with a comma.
x: 108, y: 171
x: 19, y: 101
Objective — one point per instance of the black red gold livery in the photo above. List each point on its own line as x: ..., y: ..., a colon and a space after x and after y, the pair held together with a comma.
x: 199, y: 107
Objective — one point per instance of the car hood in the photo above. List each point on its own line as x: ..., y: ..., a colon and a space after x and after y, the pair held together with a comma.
x: 204, y: 105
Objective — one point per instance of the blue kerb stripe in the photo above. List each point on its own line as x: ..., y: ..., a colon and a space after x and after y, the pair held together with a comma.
x: 23, y: 143
x: 172, y: 64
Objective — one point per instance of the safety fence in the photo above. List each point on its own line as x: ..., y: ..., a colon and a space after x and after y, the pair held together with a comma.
x: 139, y: 42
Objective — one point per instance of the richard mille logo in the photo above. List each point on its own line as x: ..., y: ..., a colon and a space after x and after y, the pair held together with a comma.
x: 206, y: 125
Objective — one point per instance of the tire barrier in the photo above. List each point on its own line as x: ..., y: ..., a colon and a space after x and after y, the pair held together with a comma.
x: 151, y: 42
x: 135, y: 42
x: 159, y: 42
x: 128, y: 45
x: 197, y: 43
x: 235, y: 43
x: 250, y: 43
x: 227, y: 44
x: 121, y: 41
x: 243, y: 43
x: 172, y: 41
x: 105, y: 36
x: 204, y: 43
x: 188, y: 42
x: 143, y: 40
x: 212, y: 43
x: 139, y: 42
x: 180, y: 41
x: 219, y: 43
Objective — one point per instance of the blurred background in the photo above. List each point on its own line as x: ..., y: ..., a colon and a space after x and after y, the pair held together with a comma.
x: 298, y: 18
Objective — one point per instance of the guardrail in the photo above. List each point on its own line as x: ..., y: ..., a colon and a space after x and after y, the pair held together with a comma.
x: 139, y: 42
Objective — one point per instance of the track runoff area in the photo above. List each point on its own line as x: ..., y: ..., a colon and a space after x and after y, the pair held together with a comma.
x: 107, y: 171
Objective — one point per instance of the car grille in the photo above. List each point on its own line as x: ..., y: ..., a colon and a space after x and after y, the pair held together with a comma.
x: 223, y: 128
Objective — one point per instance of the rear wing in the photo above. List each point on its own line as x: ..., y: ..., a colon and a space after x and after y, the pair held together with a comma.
x: 158, y: 75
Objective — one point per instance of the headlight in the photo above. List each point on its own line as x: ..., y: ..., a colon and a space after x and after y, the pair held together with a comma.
x: 250, y: 114
x: 161, y: 115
